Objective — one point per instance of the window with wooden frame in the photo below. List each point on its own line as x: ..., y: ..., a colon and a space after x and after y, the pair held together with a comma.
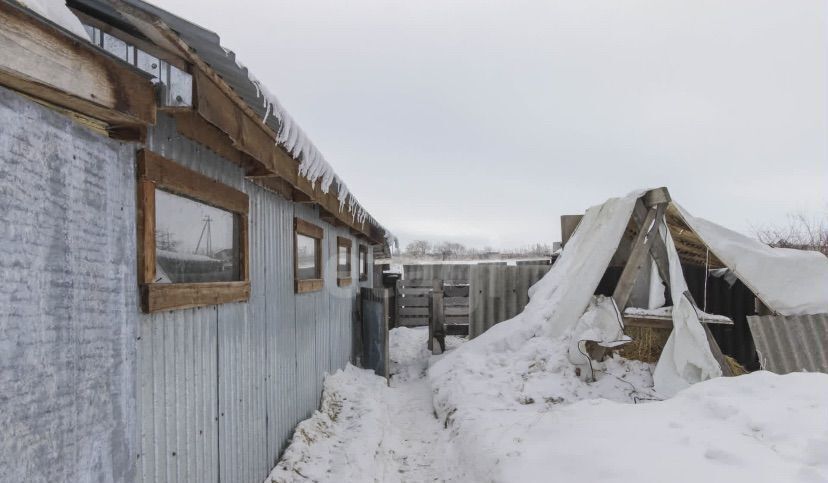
x: 363, y: 263
x: 307, y: 256
x: 343, y: 261
x: 192, y: 237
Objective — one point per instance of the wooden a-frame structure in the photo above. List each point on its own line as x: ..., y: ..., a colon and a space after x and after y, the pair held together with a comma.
x: 647, y: 216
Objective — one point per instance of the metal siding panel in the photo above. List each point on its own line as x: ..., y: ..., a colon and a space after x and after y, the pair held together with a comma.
x: 177, y: 403
x: 791, y: 343
x: 224, y: 386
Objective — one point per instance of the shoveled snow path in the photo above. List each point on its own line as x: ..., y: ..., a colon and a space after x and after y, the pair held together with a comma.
x: 416, y: 445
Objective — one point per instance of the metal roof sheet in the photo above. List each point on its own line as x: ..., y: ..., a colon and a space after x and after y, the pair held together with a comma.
x: 791, y: 343
x: 207, y: 44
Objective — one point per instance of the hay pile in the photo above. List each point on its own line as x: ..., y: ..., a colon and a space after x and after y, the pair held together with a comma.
x: 647, y: 343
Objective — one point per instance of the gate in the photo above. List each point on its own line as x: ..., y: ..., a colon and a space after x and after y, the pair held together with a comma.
x: 412, y: 304
x: 375, y: 306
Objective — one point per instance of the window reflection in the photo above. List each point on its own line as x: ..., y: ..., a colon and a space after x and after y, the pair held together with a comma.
x: 363, y: 263
x: 194, y: 242
x: 306, y: 258
x: 344, y: 261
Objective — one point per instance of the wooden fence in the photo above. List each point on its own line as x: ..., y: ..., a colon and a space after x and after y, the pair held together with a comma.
x: 499, y: 293
x: 412, y: 302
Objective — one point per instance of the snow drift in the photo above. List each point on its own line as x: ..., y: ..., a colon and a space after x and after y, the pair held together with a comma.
x: 517, y: 404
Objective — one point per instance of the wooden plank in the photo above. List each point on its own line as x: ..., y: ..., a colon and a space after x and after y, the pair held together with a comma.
x: 456, y: 301
x: 640, y: 250
x: 408, y: 291
x: 344, y: 282
x: 146, y: 231
x: 173, y: 177
x: 191, y: 125
x: 456, y: 311
x: 308, y: 229
x: 46, y: 62
x: 456, y: 290
x: 414, y: 302
x: 244, y: 236
x: 437, y: 320
x: 406, y: 311
x: 168, y: 296
x: 457, y: 329
x: 308, y: 285
x: 457, y: 319
x: 413, y: 321
x: 217, y: 102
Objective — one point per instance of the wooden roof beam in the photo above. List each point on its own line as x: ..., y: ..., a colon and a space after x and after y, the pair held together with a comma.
x: 46, y: 62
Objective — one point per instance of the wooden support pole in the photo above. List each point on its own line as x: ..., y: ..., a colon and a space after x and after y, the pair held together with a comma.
x: 436, y: 319
x: 641, y: 248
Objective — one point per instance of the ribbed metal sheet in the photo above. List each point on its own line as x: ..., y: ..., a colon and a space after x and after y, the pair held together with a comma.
x: 791, y: 343
x: 177, y: 397
x: 499, y: 292
x: 221, y: 388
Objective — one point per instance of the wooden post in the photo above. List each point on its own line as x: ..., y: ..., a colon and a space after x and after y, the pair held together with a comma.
x: 641, y: 248
x: 436, y: 319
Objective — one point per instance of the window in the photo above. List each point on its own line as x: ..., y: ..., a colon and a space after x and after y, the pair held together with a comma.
x: 363, y: 263
x: 307, y: 256
x: 343, y: 261
x: 177, y: 85
x: 192, y: 237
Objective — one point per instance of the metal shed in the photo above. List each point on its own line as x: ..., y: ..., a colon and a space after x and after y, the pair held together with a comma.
x: 94, y: 389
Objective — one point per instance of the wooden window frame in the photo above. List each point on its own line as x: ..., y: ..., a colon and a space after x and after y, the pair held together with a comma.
x: 363, y: 252
x: 308, y: 229
x: 342, y: 241
x: 157, y: 172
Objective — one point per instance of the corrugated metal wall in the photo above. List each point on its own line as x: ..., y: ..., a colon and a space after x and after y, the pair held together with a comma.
x: 499, y: 292
x: 221, y: 388
x: 791, y: 343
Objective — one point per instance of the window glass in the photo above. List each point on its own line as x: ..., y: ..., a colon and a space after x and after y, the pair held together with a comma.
x: 194, y: 242
x: 363, y: 263
x: 306, y: 258
x: 344, y: 261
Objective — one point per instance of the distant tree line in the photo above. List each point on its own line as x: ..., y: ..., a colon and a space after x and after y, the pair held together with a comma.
x: 457, y: 251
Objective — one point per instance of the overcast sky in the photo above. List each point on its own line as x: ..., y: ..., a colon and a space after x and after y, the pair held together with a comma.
x: 483, y: 122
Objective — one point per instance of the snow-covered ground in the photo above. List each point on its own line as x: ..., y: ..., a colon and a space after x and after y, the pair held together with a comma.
x: 526, y: 416
x: 370, y: 431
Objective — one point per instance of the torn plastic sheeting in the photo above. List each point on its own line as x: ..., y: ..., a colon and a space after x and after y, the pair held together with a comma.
x: 686, y: 358
x: 788, y: 281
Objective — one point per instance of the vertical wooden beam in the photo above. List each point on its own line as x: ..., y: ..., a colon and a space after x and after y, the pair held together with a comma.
x: 146, y: 231
x: 244, y: 242
x: 436, y: 319
x: 641, y: 248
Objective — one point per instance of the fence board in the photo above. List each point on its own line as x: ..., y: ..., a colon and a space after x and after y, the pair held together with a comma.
x: 498, y: 293
x: 456, y: 301
x: 413, y: 311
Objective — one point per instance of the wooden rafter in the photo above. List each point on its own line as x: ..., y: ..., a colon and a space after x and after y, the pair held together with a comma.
x: 217, y: 103
x: 46, y: 62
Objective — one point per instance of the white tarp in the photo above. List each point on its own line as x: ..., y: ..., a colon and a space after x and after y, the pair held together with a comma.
x: 563, y: 295
x: 788, y: 281
x: 686, y: 358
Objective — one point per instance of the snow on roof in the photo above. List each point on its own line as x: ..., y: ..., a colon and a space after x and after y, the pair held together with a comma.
x: 57, y: 12
x: 788, y: 281
x: 313, y: 165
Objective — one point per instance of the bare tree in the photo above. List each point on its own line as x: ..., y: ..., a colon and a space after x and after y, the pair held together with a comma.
x: 800, y: 231
x: 418, y: 248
